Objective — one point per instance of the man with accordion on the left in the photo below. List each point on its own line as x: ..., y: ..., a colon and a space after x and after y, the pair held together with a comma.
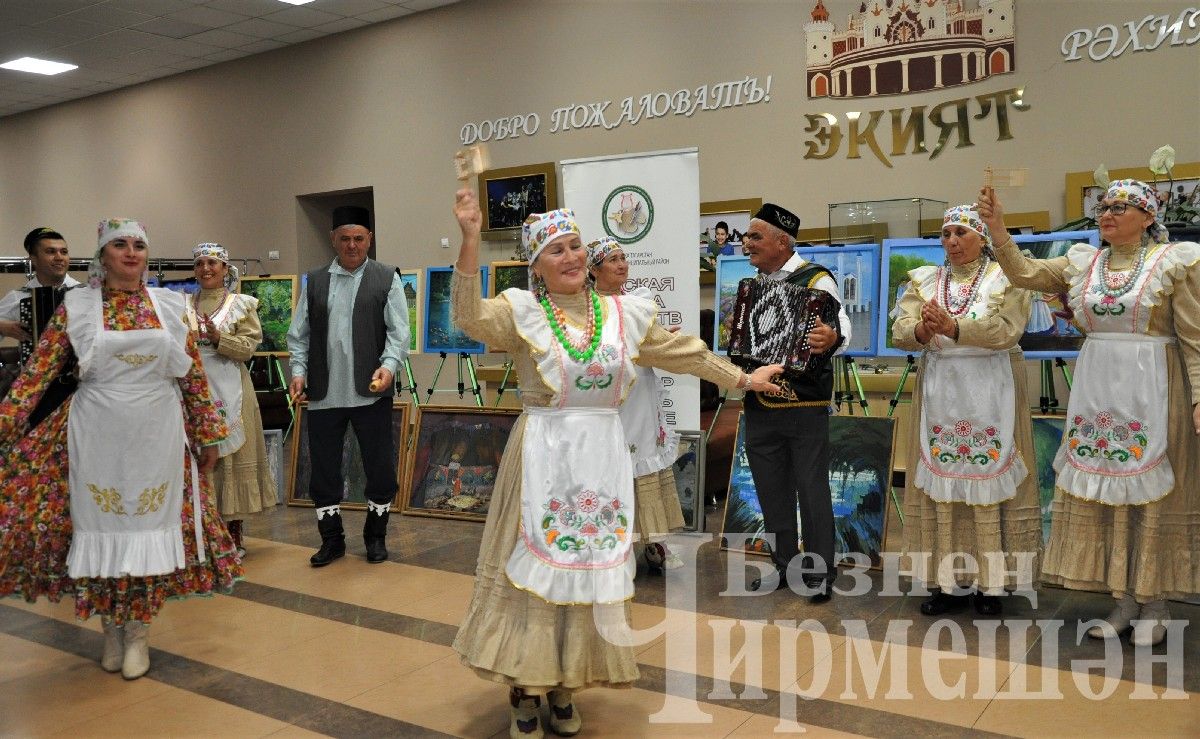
x: 26, y: 311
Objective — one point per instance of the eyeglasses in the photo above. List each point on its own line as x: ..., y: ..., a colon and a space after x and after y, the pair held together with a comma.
x: 1117, y: 209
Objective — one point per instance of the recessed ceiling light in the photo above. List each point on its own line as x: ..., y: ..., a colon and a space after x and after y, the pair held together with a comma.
x: 38, y: 66
x: 297, y: 2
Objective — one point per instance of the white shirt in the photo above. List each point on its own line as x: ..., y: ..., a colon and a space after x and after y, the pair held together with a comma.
x: 824, y: 282
x: 10, y: 305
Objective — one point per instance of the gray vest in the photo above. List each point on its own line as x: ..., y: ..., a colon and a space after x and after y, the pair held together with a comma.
x: 370, y: 331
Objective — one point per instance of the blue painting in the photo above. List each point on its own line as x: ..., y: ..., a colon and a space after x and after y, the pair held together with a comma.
x: 1050, y: 331
x: 860, y: 476
x: 441, y: 335
x: 730, y: 271
x: 1047, y: 437
x: 856, y: 270
x: 899, y: 257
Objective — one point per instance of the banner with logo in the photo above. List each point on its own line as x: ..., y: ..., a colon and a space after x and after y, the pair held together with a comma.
x: 649, y: 202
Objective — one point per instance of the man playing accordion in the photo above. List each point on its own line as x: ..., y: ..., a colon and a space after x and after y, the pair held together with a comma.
x: 787, y: 433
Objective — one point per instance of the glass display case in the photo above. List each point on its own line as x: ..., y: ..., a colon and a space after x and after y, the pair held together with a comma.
x: 872, y: 221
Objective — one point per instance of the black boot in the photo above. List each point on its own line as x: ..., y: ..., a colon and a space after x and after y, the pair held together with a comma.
x: 375, y: 531
x: 333, y: 539
x: 940, y: 603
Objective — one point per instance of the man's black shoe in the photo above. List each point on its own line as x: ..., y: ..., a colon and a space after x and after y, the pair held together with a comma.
x: 331, y: 549
x: 376, y: 550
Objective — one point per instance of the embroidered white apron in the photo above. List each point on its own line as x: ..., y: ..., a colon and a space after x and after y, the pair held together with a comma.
x: 224, y: 374
x: 967, y: 421
x: 1114, y: 448
x: 577, y: 488
x: 126, y: 443
x: 652, y: 444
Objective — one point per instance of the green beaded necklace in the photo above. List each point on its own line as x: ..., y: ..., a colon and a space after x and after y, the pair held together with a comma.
x: 557, y: 320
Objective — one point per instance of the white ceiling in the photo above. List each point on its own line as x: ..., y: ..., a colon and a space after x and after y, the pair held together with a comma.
x: 118, y: 43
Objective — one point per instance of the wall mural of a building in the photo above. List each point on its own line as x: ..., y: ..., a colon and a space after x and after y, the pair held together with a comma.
x: 890, y: 47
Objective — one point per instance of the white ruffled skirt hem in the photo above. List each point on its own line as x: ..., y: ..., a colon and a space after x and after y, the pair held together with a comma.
x: 140, y: 554
x: 1144, y: 487
x: 972, y: 491
x: 570, y: 587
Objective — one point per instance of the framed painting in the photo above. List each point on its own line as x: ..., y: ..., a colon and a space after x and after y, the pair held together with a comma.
x: 273, y: 440
x: 511, y: 194
x: 441, y: 335
x: 730, y: 271
x: 508, y: 274
x: 1047, y: 437
x: 689, y: 479
x: 1083, y: 193
x: 411, y: 279
x: 354, y: 479
x: 898, y: 257
x: 855, y: 267
x: 722, y: 223
x: 860, y: 474
x: 1050, y: 331
x: 452, y: 460
x: 277, y: 296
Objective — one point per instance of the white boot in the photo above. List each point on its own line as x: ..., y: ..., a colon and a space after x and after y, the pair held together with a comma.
x: 1117, y: 620
x: 526, y: 721
x: 1151, y: 626
x: 114, y: 646
x: 137, y: 650
x: 564, y: 715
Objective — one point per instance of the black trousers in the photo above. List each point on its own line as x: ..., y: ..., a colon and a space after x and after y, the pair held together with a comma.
x: 788, y: 452
x: 372, y: 426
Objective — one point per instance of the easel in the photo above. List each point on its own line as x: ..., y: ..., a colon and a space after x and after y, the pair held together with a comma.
x: 1048, y: 402
x: 411, y: 387
x: 909, y: 363
x: 276, y: 382
x: 463, y: 358
x: 848, y: 371
x: 504, y: 382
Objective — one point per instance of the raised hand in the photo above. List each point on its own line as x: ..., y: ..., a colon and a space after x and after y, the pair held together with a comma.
x: 991, y: 211
x: 466, y: 210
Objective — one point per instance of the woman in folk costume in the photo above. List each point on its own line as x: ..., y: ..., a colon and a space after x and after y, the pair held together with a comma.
x: 973, y: 491
x: 227, y: 325
x: 652, y: 445
x: 1126, y: 515
x: 554, y: 564
x: 123, y: 519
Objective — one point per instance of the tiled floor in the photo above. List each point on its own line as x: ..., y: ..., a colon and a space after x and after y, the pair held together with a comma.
x: 364, y: 651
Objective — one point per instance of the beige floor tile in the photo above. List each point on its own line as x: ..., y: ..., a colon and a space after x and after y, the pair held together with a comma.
x: 444, y: 696
x: 1075, y: 714
x: 447, y: 607
x: 764, y: 726
x: 228, y: 632
x: 661, y: 620
x: 849, y: 682
x: 626, y: 713
x: 56, y: 700
x: 294, y: 732
x: 345, y: 664
x: 23, y: 660
x: 175, y: 712
x: 710, y: 631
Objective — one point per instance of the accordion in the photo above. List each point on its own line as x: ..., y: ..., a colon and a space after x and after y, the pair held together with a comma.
x: 35, y: 312
x: 771, y: 321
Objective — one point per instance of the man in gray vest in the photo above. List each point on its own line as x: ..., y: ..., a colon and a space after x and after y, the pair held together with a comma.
x: 347, y: 340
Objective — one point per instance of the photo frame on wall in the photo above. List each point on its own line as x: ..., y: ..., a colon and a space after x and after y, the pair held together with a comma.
x: 1082, y: 192
x: 354, y: 486
x: 413, y: 294
x: 512, y: 194
x: 507, y: 274
x: 862, y: 452
x: 722, y: 223
x: 452, y: 460
x: 441, y: 335
x: 688, y: 471
x: 277, y: 296
x: 855, y: 268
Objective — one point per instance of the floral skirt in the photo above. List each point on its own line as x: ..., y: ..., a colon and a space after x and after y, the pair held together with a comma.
x: 513, y: 637
x: 35, y: 536
x: 948, y: 529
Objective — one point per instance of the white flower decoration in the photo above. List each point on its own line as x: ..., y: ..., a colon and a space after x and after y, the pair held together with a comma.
x: 1162, y: 160
x: 1100, y: 177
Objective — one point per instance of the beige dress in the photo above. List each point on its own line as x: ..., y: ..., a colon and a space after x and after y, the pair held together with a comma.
x: 1150, y: 550
x: 512, y: 636
x: 242, y: 480
x: 947, y: 528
